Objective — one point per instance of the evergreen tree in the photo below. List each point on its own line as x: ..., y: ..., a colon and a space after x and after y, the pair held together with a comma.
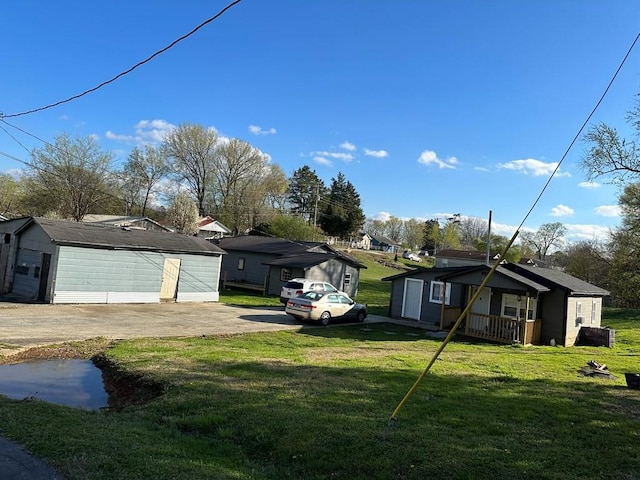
x: 342, y: 216
x: 304, y: 193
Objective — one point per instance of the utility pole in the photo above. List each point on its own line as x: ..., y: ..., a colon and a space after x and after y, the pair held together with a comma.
x: 489, y: 239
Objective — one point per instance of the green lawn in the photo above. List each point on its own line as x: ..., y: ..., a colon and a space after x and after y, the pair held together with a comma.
x: 315, y: 404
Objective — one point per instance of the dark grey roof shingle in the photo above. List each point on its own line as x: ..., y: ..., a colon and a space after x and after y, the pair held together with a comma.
x: 108, y: 237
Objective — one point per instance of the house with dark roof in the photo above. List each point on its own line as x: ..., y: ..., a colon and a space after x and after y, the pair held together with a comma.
x: 58, y: 261
x: 519, y: 303
x: 266, y: 264
x: 457, y: 258
x: 139, y: 223
x: 378, y: 242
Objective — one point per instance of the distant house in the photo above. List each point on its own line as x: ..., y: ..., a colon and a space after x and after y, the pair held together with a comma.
x: 362, y: 241
x: 57, y: 261
x: 210, y: 228
x: 457, y: 258
x: 378, y: 242
x: 140, y: 223
x: 266, y: 264
x: 519, y: 304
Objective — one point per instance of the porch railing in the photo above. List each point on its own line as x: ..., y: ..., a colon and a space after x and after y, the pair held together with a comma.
x: 493, y: 327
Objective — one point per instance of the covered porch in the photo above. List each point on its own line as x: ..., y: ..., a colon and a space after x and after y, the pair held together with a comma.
x: 505, y: 311
x: 494, y: 328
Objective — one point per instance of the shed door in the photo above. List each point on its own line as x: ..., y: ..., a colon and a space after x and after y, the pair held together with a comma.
x: 412, y: 302
x: 170, y: 274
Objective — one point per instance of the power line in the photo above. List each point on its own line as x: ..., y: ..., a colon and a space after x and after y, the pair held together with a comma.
x: 121, y: 74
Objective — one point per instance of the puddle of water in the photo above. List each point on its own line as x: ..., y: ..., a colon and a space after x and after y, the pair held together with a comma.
x: 75, y: 383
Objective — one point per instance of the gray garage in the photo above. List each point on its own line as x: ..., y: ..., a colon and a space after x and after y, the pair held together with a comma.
x: 57, y: 261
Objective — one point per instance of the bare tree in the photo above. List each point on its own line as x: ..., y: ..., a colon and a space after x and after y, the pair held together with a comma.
x: 194, y: 151
x: 183, y: 214
x: 239, y: 174
x: 548, y: 235
x: 611, y: 155
x: 472, y: 229
x: 72, y: 176
x: 141, y: 175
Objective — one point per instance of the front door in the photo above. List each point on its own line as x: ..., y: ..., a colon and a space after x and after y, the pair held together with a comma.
x: 170, y: 275
x: 412, y: 302
x: 483, y: 302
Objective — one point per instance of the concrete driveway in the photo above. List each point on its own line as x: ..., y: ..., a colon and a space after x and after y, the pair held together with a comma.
x: 29, y: 325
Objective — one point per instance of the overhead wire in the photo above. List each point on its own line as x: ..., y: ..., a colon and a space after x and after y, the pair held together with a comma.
x: 129, y: 70
x: 394, y: 416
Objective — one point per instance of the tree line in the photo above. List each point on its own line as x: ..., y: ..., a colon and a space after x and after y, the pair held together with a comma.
x: 192, y: 173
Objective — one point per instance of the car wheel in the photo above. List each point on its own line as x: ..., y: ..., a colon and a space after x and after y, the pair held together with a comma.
x: 325, y: 317
x: 362, y: 315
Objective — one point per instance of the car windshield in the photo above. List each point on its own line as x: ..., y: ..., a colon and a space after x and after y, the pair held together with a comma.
x: 296, y: 285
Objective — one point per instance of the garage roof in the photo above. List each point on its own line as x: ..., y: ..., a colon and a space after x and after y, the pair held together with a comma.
x: 79, y: 234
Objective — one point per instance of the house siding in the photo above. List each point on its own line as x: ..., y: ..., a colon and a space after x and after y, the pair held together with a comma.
x: 254, y: 271
x: 551, y: 309
x: 573, y: 324
x: 89, y: 275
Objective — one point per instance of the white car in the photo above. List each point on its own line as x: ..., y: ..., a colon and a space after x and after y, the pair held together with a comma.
x: 411, y: 256
x: 297, y: 286
x: 324, y: 307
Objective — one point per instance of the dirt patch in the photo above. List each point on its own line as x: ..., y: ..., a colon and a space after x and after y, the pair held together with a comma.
x: 123, y: 388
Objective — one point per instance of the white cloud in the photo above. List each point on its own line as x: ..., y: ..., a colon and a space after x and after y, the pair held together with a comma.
x: 152, y: 131
x: 561, y: 211
x: 481, y: 169
x: 256, y: 130
x: 589, y: 185
x: 375, y: 153
x: 577, y: 233
x: 608, y: 210
x: 531, y: 166
x: 429, y: 157
x: 348, y: 146
x: 119, y: 138
x: 383, y: 216
x: 347, y: 157
x: 322, y: 161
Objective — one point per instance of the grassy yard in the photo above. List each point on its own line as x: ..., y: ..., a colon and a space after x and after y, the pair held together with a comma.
x: 315, y: 404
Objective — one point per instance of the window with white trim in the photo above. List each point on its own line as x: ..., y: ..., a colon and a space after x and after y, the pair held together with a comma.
x: 438, y: 291
x: 347, y: 279
x: 285, y: 274
x: 594, y: 308
x: 240, y: 263
x: 514, y: 306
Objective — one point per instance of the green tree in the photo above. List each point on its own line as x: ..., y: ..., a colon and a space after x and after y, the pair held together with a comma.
x: 10, y: 195
x: 412, y: 233
x: 343, y: 215
x: 71, y: 177
x: 291, y: 228
x: 305, y: 191
x: 193, y: 150
x: 498, y: 244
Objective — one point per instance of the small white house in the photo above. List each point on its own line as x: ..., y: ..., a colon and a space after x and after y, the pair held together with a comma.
x: 56, y: 261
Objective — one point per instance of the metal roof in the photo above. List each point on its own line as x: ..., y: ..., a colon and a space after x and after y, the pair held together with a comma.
x: 109, y: 237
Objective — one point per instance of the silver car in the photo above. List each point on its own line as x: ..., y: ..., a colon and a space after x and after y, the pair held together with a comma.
x: 323, y: 307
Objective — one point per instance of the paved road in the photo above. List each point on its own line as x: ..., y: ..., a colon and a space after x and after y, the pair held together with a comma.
x: 24, y: 325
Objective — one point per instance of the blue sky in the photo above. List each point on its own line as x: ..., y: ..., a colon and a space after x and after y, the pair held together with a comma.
x: 428, y: 107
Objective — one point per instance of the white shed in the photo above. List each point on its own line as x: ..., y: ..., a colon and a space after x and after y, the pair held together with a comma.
x: 69, y: 262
